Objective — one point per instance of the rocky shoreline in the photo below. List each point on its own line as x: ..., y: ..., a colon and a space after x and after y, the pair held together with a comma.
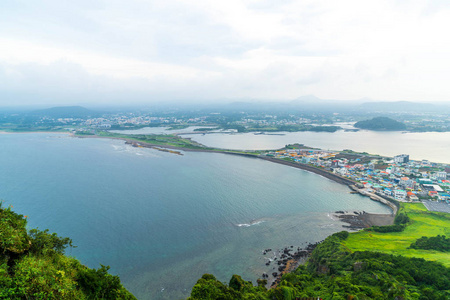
x: 287, y: 259
x: 357, y: 220
x: 284, y: 260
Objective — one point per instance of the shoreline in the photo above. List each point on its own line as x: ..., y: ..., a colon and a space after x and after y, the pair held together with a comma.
x: 283, y: 261
x: 288, y: 262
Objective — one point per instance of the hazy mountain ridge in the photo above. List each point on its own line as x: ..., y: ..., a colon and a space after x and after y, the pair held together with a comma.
x: 66, y: 112
x: 314, y: 103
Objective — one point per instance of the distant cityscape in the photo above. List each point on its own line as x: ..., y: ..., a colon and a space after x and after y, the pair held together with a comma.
x: 398, y: 178
x: 243, y: 119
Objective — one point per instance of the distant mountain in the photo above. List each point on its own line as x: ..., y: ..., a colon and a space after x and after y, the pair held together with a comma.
x: 66, y: 112
x: 312, y: 103
x: 380, y: 123
x: 403, y: 106
x: 307, y: 99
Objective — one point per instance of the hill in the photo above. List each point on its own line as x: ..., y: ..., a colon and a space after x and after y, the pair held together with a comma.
x: 66, y: 112
x: 33, y: 266
x: 380, y: 123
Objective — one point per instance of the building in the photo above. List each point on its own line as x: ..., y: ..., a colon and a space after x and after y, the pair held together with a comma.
x: 412, y: 196
x: 400, y: 195
x: 388, y: 192
x: 441, y: 175
x: 401, y: 159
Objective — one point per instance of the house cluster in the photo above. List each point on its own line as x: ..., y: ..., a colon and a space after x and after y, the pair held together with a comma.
x: 399, y: 178
x: 268, y: 120
x: 127, y: 119
x: 315, y: 157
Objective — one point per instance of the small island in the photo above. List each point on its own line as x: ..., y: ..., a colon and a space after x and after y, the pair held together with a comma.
x: 381, y: 124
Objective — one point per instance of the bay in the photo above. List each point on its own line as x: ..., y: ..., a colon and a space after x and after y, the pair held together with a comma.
x: 162, y: 220
x: 431, y: 146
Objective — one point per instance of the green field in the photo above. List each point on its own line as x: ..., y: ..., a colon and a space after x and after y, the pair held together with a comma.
x: 157, y: 139
x: 423, y: 223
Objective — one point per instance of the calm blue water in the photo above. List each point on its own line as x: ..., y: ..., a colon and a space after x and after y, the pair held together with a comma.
x: 162, y: 220
x: 432, y: 146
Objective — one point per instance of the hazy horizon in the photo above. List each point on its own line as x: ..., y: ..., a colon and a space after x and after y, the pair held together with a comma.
x: 138, y: 53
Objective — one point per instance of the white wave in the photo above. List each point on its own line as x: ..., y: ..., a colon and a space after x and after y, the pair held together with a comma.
x: 251, y: 223
x: 327, y: 225
x: 332, y: 217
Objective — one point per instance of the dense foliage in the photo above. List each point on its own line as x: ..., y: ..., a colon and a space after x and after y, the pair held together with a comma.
x: 33, y: 266
x: 380, y: 123
x: 439, y: 243
x: 333, y: 272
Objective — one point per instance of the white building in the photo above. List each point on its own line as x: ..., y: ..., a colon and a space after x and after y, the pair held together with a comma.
x: 401, y: 159
x: 400, y: 195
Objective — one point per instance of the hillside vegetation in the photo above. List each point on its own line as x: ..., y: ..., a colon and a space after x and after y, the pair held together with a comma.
x: 33, y: 266
x: 380, y: 123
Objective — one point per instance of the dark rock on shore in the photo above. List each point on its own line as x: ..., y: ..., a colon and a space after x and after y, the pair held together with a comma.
x: 287, y: 260
x: 360, y: 220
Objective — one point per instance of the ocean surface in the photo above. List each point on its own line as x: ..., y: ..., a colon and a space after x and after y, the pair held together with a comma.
x: 162, y: 220
x: 432, y: 146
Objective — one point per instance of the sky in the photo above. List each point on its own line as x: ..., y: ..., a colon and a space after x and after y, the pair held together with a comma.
x: 142, y: 51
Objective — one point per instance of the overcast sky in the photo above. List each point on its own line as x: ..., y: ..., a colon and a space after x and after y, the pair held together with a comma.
x: 139, y: 51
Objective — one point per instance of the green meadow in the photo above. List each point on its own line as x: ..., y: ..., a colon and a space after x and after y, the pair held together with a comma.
x: 422, y: 223
x: 157, y: 139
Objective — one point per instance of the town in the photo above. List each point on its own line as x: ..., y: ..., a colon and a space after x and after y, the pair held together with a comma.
x: 397, y: 178
x: 250, y: 118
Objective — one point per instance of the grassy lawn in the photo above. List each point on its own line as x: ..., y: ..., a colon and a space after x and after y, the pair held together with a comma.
x: 423, y: 223
x: 159, y: 140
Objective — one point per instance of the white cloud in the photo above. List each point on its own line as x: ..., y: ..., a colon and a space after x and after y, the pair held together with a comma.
x: 390, y: 50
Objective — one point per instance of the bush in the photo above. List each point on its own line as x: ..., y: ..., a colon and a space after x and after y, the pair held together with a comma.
x: 342, y: 235
x: 439, y: 243
x: 43, y: 242
x: 401, y: 218
x: 389, y: 228
x: 98, y: 284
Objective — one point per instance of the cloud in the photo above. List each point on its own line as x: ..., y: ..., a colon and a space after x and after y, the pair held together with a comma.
x: 149, y: 50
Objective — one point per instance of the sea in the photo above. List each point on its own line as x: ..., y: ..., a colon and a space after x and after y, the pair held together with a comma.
x: 161, y: 220
x: 432, y: 146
